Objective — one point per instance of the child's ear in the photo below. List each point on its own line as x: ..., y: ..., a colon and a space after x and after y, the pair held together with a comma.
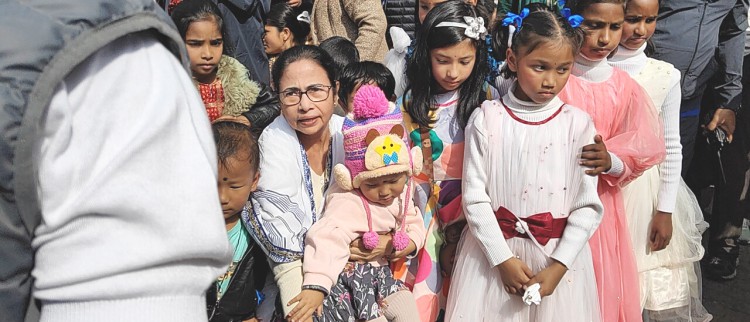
x: 510, y: 59
x: 256, y: 179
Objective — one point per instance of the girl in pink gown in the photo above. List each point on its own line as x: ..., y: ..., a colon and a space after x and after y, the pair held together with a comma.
x: 630, y: 142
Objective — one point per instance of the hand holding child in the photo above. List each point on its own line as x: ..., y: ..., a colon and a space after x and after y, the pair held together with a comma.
x: 596, y: 157
x: 310, y: 301
x: 548, y: 278
x: 515, y: 274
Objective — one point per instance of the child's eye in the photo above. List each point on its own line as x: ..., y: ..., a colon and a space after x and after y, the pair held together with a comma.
x: 466, y: 62
x: 236, y: 187
x: 615, y: 26
x: 650, y: 20
x: 632, y: 19
x: 216, y: 42
x: 538, y: 68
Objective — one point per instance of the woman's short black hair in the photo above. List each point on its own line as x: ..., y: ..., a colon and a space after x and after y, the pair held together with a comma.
x: 297, y: 53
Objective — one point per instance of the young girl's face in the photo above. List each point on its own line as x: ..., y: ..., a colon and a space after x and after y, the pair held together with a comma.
x: 452, y: 65
x: 425, y: 6
x: 383, y: 190
x: 542, y: 73
x: 640, y: 23
x: 237, y: 180
x: 204, y: 46
x: 603, y: 25
x: 274, y: 40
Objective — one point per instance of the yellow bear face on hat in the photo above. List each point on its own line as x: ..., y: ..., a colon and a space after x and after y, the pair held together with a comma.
x: 386, y: 150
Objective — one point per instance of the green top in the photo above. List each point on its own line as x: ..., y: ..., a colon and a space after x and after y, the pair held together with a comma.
x: 238, y: 238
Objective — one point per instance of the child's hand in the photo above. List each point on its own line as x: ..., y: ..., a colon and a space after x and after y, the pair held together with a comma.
x: 515, y: 274
x: 310, y: 301
x: 596, y: 157
x: 548, y: 278
x: 661, y: 231
x: 358, y: 252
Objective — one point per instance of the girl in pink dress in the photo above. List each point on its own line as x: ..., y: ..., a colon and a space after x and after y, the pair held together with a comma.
x: 628, y: 124
x: 529, y: 204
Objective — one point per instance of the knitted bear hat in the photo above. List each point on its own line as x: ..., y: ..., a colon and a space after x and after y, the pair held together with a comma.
x: 375, y: 143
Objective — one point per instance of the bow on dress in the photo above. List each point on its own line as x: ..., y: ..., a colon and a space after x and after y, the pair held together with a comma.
x: 542, y: 226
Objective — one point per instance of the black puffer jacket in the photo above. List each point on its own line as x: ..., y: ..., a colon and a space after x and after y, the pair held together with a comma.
x: 240, y: 300
x: 402, y: 14
x: 265, y: 109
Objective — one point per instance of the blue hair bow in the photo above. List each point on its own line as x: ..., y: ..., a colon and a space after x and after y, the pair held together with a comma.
x: 514, y: 19
x: 573, y: 20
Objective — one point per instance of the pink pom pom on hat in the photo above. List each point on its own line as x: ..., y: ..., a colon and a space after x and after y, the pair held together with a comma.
x: 369, y: 102
x: 371, y: 111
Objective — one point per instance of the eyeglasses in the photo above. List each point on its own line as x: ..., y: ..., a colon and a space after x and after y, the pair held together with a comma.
x: 316, y: 93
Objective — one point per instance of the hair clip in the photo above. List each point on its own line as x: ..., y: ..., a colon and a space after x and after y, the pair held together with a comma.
x: 574, y: 20
x: 473, y: 28
x: 304, y: 17
x: 514, y: 19
x: 514, y: 22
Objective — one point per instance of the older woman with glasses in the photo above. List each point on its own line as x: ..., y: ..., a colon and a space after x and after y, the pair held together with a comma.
x: 298, y: 151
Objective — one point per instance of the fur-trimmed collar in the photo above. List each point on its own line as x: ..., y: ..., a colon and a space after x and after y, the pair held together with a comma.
x: 240, y: 92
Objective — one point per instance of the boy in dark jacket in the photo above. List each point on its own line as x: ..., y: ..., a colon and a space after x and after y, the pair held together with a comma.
x: 235, y: 296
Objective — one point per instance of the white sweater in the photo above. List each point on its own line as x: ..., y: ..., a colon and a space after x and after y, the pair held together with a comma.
x: 633, y: 62
x: 487, y: 187
x: 131, y: 224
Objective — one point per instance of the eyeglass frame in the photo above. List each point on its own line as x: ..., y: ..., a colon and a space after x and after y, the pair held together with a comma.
x: 300, y: 93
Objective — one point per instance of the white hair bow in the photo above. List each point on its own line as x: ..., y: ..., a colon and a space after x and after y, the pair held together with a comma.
x: 473, y: 28
x: 304, y: 17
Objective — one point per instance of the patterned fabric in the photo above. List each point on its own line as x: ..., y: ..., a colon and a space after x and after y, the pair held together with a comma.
x: 213, y: 98
x: 422, y: 273
x: 360, y: 293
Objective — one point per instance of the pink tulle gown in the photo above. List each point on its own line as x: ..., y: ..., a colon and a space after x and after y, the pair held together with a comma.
x: 629, y: 125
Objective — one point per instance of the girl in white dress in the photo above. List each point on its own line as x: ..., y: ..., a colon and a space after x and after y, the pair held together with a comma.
x: 530, y: 207
x: 663, y: 215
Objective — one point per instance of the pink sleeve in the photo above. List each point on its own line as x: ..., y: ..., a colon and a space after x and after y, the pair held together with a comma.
x: 637, y: 137
x: 327, y: 245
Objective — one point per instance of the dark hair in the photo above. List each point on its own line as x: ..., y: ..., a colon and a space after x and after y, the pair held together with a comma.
x: 282, y: 15
x: 189, y: 11
x: 542, y: 25
x: 362, y: 73
x: 578, y: 6
x: 235, y: 139
x: 419, y: 68
x: 303, y: 52
x: 342, y: 51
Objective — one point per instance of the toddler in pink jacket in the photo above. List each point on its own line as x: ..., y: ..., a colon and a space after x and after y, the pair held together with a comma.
x: 374, y: 197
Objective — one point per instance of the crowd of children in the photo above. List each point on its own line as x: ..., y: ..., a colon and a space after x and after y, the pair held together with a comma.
x: 550, y: 193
